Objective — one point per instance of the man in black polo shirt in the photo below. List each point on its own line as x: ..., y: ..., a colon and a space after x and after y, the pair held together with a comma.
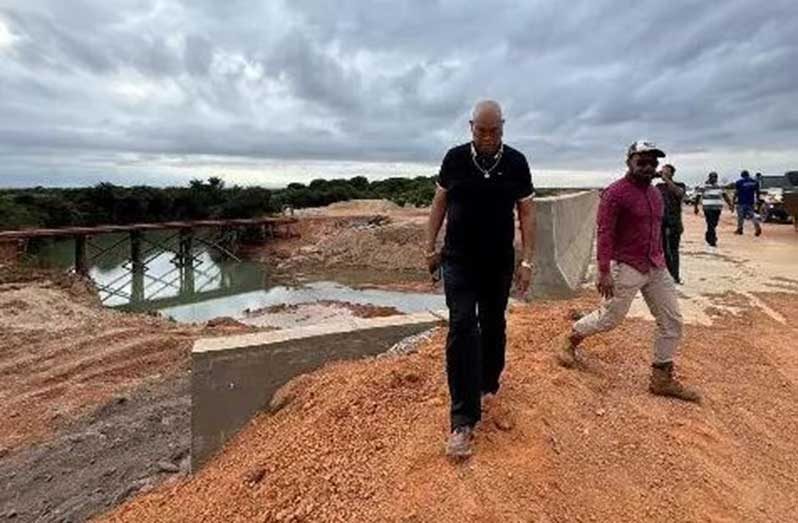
x: 479, y: 185
x: 672, y: 227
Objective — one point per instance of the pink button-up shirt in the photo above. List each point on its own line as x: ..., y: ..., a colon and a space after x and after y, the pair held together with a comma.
x: 629, y: 226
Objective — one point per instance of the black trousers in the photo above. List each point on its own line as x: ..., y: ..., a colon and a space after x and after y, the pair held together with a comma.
x: 476, y: 295
x: 712, y: 216
x: 671, y: 237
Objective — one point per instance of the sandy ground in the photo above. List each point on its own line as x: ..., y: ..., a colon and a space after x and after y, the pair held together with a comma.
x: 95, y: 404
x: 744, y: 265
x: 316, y: 313
x: 363, y: 441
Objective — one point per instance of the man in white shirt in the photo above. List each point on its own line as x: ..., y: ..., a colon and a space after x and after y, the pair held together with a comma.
x: 712, y: 202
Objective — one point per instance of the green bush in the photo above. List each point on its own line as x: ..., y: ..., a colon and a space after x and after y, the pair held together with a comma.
x: 106, y: 203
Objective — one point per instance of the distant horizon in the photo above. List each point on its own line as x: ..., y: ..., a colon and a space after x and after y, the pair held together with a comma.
x: 274, y: 175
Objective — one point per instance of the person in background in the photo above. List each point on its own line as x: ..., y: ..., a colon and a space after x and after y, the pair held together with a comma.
x: 480, y: 184
x: 672, y: 228
x: 746, y: 191
x: 711, y: 200
x: 630, y: 259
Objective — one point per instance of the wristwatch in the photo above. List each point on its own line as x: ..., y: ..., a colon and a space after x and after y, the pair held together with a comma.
x: 526, y: 265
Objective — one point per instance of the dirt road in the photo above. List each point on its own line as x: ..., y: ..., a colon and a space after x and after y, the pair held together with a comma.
x: 364, y: 441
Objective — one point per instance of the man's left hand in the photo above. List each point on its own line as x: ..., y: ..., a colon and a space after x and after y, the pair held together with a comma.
x: 524, y: 279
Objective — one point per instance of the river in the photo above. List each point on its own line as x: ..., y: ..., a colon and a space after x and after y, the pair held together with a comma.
x: 217, y: 286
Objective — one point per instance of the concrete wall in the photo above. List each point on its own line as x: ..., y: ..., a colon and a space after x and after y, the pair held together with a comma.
x: 234, y: 377
x: 566, y: 231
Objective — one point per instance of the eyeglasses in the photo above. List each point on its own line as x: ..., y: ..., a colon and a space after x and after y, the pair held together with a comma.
x: 647, y: 162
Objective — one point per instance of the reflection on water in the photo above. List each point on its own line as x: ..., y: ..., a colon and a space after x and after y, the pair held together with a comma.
x: 235, y: 306
x: 217, y: 286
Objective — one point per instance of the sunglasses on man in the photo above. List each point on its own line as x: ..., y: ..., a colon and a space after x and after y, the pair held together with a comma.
x: 647, y: 162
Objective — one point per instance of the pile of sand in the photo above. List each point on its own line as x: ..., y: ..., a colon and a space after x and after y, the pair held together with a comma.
x: 372, y: 243
x: 387, y: 247
x: 355, y: 207
x: 364, y: 441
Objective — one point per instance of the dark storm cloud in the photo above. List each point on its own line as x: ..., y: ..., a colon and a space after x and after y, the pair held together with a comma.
x: 394, y: 81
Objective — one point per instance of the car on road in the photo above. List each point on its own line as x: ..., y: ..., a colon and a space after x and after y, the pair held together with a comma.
x: 771, y: 199
x: 790, y: 196
x: 692, y: 194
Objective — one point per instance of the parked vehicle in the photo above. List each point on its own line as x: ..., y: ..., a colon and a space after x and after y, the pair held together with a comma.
x: 790, y: 196
x: 692, y: 194
x: 771, y: 199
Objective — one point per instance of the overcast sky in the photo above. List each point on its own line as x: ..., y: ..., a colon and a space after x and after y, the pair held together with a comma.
x: 161, y: 91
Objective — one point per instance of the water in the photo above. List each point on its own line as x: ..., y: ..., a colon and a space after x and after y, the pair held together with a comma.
x: 217, y: 286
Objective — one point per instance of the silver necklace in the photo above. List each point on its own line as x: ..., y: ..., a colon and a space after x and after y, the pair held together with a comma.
x: 486, y: 172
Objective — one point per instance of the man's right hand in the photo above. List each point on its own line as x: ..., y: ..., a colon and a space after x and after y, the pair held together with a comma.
x: 433, y: 261
x: 605, y: 285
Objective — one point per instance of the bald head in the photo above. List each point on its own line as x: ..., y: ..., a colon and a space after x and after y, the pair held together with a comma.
x: 487, y: 126
x: 486, y: 109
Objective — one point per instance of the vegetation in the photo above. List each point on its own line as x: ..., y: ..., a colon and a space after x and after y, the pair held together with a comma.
x: 106, y: 203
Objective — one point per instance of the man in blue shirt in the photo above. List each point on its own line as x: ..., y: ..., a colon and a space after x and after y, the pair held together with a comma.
x: 745, y: 194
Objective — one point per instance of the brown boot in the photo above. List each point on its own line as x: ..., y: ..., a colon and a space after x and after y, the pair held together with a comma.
x: 663, y: 383
x: 566, y: 350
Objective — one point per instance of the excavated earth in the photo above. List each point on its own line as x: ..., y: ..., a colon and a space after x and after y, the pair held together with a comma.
x: 95, y: 406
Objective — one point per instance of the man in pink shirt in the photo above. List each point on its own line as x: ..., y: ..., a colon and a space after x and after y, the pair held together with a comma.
x: 630, y: 259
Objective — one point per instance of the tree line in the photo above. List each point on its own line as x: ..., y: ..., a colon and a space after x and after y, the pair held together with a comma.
x: 107, y: 203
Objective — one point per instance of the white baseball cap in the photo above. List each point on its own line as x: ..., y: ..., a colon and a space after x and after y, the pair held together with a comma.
x: 644, y: 146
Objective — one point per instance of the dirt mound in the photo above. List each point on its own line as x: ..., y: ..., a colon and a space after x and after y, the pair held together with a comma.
x: 374, y: 247
x: 394, y: 246
x: 364, y: 441
x: 358, y: 310
x: 361, y: 207
x: 284, y: 316
x: 62, y: 354
x: 60, y: 357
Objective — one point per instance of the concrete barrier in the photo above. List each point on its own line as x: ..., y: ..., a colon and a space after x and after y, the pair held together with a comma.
x: 235, y: 377
x: 566, y: 232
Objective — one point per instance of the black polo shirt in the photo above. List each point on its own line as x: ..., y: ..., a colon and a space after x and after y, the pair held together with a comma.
x: 672, y: 215
x: 480, y: 203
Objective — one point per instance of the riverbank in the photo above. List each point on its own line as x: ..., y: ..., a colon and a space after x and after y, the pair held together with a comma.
x: 97, y: 408
x: 96, y: 401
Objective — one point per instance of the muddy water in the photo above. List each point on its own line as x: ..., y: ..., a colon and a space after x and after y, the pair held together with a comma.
x: 217, y: 286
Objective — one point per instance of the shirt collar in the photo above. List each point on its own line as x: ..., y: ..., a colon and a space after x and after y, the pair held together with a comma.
x: 496, y: 156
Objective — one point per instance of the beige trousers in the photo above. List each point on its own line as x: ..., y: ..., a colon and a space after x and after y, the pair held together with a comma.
x: 660, y: 294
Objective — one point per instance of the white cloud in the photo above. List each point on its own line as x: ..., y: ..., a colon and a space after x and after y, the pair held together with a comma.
x: 392, y: 83
x: 7, y: 38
